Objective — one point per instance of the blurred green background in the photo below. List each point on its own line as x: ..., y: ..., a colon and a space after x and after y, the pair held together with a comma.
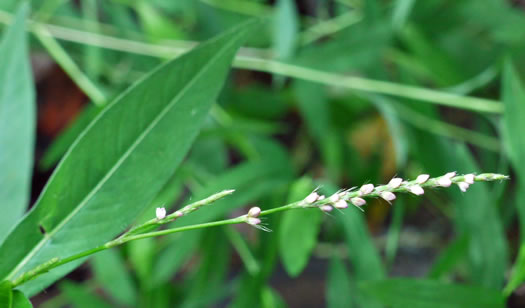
x: 329, y: 94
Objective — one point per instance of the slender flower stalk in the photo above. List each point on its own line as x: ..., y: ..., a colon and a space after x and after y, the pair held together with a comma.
x: 253, y: 217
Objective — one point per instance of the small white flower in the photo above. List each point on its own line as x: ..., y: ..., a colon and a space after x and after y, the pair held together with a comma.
x: 366, y: 189
x: 416, y: 190
x: 254, y: 212
x: 444, y: 181
x: 160, y: 212
x: 311, y: 198
x: 341, y: 204
x: 422, y: 178
x: 334, y: 198
x: 253, y: 221
x: 388, y: 196
x: 326, y: 208
x: 321, y: 197
x: 395, y: 183
x: 463, y: 186
x: 358, y: 201
x: 469, y: 178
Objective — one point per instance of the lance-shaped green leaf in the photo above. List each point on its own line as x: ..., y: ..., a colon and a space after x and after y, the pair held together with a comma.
x: 17, y: 124
x: 121, y: 161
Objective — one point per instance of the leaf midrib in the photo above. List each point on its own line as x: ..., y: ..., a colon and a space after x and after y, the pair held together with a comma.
x: 119, y: 162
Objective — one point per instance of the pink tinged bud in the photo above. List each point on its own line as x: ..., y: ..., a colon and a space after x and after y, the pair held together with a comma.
x: 326, y: 208
x: 358, y: 201
x: 388, y: 196
x: 160, y: 212
x: 469, y: 178
x: 254, y: 212
x: 253, y: 221
x: 416, y: 190
x: 321, y: 197
x: 334, y: 198
x: 311, y: 198
x: 444, y: 181
x: 341, y: 204
x: 395, y: 183
x: 422, y: 178
x: 366, y: 189
x: 463, y: 186
x: 450, y: 175
x: 178, y: 214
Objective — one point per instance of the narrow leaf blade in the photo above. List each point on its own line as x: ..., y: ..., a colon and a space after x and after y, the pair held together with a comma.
x: 17, y: 123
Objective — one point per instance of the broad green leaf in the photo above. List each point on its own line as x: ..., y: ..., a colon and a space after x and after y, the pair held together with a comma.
x: 286, y: 26
x: 17, y: 123
x: 402, y: 9
x: 338, y: 286
x: 298, y: 230
x: 80, y: 297
x: 20, y: 300
x: 121, y: 161
x: 6, y: 294
x: 402, y: 292
x: 111, y: 272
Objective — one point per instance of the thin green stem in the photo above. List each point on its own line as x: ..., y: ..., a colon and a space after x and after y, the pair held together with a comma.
x: 257, y: 63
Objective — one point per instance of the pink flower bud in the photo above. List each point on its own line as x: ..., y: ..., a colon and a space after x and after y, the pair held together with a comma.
x: 178, y: 214
x: 388, y: 196
x: 254, y: 212
x: 311, y: 198
x: 450, y: 175
x: 366, y: 189
x: 469, y: 178
x: 358, y: 201
x: 416, y: 190
x: 463, y: 186
x: 253, y: 221
x: 334, y: 198
x: 395, y: 183
x: 422, y: 178
x: 326, y: 208
x: 341, y: 204
x: 160, y: 212
x: 444, y: 181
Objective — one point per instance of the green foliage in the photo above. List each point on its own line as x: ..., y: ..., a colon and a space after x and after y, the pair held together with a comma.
x: 17, y: 123
x: 402, y: 292
x: 324, y: 94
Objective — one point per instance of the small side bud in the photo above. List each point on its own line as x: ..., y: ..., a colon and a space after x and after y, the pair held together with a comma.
x: 469, y: 178
x: 395, y: 183
x: 311, y: 198
x: 422, y: 178
x: 160, y: 212
x: 366, y: 189
x: 450, y: 175
x: 341, y: 204
x: 178, y: 214
x: 463, y: 186
x: 326, y: 208
x: 416, y: 190
x: 254, y: 212
x: 388, y: 196
x: 358, y: 201
x: 321, y: 197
